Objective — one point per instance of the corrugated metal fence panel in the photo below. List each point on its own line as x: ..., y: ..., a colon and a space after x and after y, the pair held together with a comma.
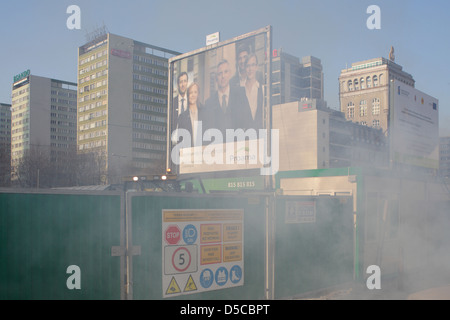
x: 147, y: 233
x: 41, y: 235
x: 315, y: 255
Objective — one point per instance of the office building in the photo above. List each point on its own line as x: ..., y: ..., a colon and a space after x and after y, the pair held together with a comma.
x: 43, y: 119
x: 293, y: 79
x: 313, y: 136
x: 5, y: 144
x: 122, y: 104
x: 364, y: 91
x: 379, y: 94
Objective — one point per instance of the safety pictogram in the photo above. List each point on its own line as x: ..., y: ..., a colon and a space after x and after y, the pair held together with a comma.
x: 190, y: 285
x: 173, y: 287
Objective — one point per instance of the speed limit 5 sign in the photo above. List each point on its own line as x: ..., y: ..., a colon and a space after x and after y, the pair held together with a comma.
x: 180, y: 259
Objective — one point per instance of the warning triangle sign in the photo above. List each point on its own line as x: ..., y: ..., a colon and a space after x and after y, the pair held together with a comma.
x: 190, y: 285
x: 173, y: 287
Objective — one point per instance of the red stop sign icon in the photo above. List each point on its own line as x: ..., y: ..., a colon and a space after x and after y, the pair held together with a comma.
x: 172, y: 235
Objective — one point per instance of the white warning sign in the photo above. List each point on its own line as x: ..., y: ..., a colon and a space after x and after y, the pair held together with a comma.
x: 203, y: 250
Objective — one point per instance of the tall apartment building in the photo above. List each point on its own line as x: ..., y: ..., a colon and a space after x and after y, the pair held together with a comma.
x: 43, y: 118
x: 5, y: 144
x: 364, y: 91
x: 122, y: 104
x: 293, y: 79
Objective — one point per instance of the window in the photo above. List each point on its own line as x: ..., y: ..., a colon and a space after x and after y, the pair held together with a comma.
x: 350, y: 110
x: 369, y: 82
x: 361, y: 81
x: 356, y: 84
x: 350, y: 85
x: 376, y: 123
x: 363, y: 108
x: 376, y: 106
x: 375, y: 81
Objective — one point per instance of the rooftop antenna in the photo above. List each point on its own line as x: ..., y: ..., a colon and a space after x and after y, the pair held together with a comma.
x: 96, y: 33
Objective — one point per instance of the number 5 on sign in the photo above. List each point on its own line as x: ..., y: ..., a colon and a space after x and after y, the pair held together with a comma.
x: 180, y: 259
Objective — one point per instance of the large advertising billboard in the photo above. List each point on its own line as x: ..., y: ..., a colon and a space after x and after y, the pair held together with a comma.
x: 414, y: 135
x: 219, y: 115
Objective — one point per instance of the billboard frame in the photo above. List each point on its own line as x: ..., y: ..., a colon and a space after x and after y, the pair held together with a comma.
x: 267, y: 111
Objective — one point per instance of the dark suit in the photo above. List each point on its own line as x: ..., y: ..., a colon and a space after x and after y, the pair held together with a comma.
x: 205, y: 116
x: 175, y: 108
x: 237, y: 114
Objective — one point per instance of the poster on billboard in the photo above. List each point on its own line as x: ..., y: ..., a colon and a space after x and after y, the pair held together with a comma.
x: 218, y: 106
x: 414, y: 136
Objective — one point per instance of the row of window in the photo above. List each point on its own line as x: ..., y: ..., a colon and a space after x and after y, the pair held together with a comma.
x: 24, y: 136
x: 94, y: 66
x: 64, y: 94
x: 364, y: 82
x: 150, y: 127
x: 93, y: 115
x: 94, y: 76
x: 145, y: 107
x: 148, y: 117
x: 92, y: 144
x: 62, y: 138
x: 144, y: 78
x: 137, y: 86
x: 144, y: 97
x: 92, y: 125
x: 148, y: 60
x: 63, y: 123
x: 148, y: 136
x: 148, y: 155
x: 93, y: 86
x: 93, y: 57
x: 91, y: 135
x: 63, y: 116
x: 93, y: 96
x: 138, y: 68
x: 149, y: 146
x: 18, y: 93
x: 22, y: 99
x: 363, y: 108
x: 92, y: 105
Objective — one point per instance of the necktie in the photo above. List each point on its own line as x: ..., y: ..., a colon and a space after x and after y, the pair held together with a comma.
x: 224, y: 103
x: 182, y: 104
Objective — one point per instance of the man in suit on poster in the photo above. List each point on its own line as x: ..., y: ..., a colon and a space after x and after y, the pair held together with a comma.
x: 180, y: 102
x: 229, y: 104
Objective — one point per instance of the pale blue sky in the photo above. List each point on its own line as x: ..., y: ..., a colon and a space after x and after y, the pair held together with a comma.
x: 34, y: 34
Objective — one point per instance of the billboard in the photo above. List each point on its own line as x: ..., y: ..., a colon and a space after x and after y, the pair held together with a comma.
x: 414, y: 136
x: 219, y: 115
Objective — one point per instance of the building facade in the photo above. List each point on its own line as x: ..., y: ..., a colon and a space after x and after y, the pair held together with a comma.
x: 122, y: 104
x: 43, y: 119
x: 313, y: 136
x: 5, y: 144
x: 364, y: 91
x: 293, y: 79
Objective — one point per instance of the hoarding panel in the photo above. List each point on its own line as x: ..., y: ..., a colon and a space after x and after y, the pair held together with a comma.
x: 218, y: 105
x: 414, y: 127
